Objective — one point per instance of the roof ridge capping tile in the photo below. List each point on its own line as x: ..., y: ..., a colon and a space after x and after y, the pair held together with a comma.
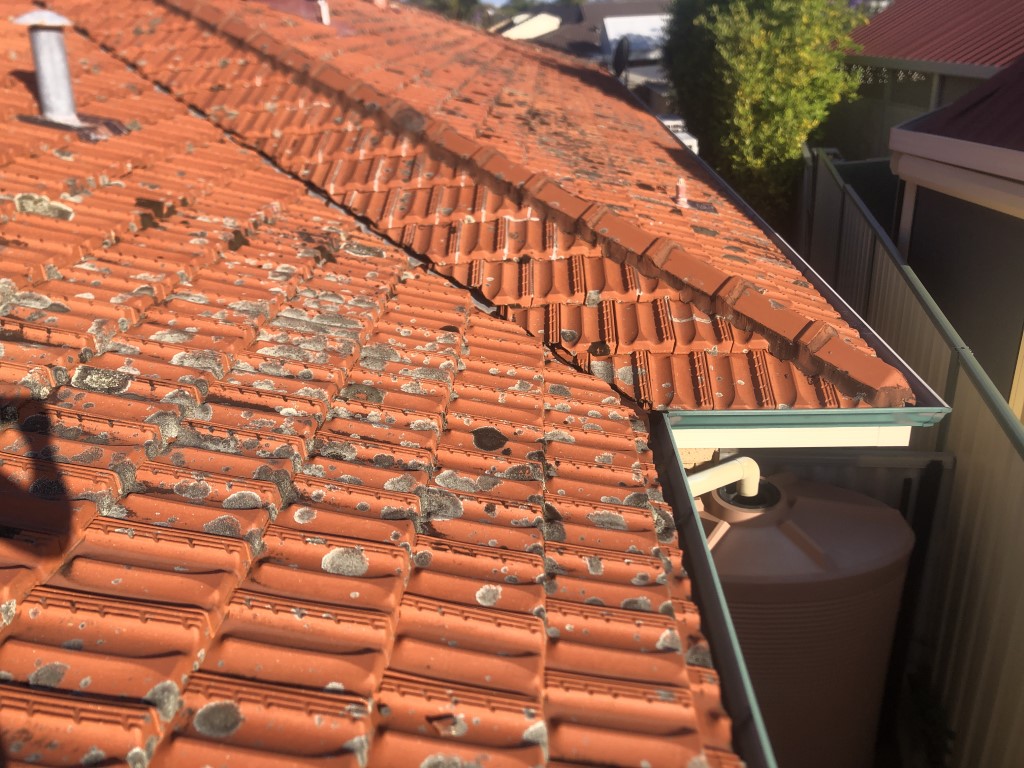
x: 814, y: 346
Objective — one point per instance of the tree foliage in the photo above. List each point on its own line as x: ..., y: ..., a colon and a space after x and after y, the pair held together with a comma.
x: 753, y: 78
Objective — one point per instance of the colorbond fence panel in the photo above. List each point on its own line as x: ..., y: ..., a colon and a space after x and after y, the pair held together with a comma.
x: 970, y: 627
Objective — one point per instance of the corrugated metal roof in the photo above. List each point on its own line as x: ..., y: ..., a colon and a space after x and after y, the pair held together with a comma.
x: 984, y: 33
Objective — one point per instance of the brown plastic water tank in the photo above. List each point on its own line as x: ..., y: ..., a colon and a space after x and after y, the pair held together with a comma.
x: 813, y: 582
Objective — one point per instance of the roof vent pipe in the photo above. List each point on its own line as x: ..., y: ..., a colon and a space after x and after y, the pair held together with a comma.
x: 53, y: 78
x: 680, y: 191
x: 325, y: 13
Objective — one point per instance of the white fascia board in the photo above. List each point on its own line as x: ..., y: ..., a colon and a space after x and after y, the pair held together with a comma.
x: 982, y: 158
x: 868, y: 436
x: 999, y: 194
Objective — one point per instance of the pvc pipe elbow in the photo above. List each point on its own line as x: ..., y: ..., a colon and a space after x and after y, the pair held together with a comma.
x: 742, y: 470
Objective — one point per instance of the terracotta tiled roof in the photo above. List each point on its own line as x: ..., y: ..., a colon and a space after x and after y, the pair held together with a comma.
x: 526, y: 175
x: 273, y: 493
x: 984, y: 33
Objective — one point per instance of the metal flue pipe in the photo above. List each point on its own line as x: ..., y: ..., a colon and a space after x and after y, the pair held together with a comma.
x: 325, y: 12
x: 53, y: 77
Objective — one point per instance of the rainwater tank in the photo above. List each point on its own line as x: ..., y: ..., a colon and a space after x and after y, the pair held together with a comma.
x: 813, y: 575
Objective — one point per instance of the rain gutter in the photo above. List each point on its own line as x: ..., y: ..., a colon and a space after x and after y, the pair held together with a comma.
x: 749, y: 735
x: 812, y: 428
x: 802, y: 428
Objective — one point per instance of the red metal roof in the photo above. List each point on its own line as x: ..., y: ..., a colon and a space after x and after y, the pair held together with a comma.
x: 275, y: 494
x: 984, y: 33
x: 991, y: 114
x: 526, y: 175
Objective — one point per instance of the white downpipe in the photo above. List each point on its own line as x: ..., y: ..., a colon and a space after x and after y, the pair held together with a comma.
x: 325, y: 13
x: 742, y: 470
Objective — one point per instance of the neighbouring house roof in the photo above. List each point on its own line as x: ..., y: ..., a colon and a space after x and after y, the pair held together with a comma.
x: 646, y: 35
x: 981, y: 33
x: 991, y: 114
x: 528, y: 26
x: 566, y: 13
x: 582, y: 36
x: 275, y: 493
x: 582, y: 40
x: 972, y: 148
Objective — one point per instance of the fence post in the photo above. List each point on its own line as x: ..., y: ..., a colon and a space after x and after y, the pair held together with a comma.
x: 807, y: 199
x: 838, y: 257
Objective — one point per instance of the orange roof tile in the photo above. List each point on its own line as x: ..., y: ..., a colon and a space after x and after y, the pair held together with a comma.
x: 275, y: 493
x: 500, y: 162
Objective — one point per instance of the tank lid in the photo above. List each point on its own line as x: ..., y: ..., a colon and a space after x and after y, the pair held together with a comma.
x: 813, y: 533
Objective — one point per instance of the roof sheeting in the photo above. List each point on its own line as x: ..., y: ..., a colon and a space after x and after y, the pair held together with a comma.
x: 991, y: 114
x: 982, y: 33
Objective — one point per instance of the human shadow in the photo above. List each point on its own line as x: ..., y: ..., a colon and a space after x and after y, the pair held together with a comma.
x: 36, y: 514
x: 35, y: 504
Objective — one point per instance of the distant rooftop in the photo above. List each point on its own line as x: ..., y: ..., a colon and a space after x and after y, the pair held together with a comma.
x: 582, y: 35
x: 978, y: 33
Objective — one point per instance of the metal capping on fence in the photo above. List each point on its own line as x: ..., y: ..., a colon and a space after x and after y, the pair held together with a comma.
x: 972, y: 620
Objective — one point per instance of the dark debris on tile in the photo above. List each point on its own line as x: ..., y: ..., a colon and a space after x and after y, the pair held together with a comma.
x: 278, y: 495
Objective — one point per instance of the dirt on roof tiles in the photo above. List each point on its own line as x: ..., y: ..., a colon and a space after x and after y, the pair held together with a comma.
x: 275, y: 493
x: 527, y: 157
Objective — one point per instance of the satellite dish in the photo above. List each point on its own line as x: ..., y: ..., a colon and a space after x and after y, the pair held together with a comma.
x: 620, y: 60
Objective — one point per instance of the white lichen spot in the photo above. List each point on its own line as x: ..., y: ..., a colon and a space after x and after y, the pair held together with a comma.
x: 346, y: 561
x: 537, y: 733
x: 669, y: 641
x: 304, y: 515
x: 243, y: 500
x: 441, y: 760
x: 360, y: 747
x: 488, y: 595
x: 7, y: 611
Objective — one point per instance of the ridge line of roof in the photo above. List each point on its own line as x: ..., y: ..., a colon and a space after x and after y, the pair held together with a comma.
x: 814, y: 346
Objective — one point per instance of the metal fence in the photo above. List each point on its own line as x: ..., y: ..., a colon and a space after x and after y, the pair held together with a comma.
x: 968, y: 665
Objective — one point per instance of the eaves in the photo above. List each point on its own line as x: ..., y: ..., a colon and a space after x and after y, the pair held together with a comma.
x: 979, y: 173
x: 947, y: 68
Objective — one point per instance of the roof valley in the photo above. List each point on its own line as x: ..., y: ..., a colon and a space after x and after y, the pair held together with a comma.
x: 808, y: 341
